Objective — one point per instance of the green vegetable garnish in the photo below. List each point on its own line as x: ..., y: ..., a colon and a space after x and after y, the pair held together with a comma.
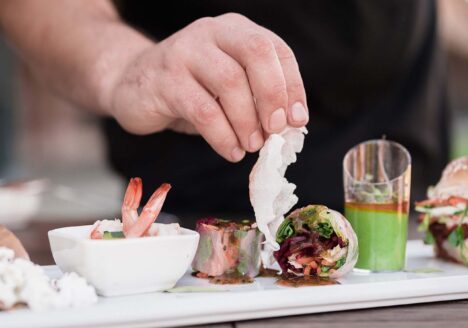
x: 324, y: 228
x: 308, y: 213
x: 314, y: 217
x: 368, y: 193
x: 340, y: 262
x: 113, y: 235
x: 325, y: 269
x: 429, y: 238
x: 318, y: 218
x: 240, y: 234
x: 204, y: 248
x: 243, y: 265
x: 424, y: 225
x: 456, y: 237
x: 424, y: 208
x: 285, y: 230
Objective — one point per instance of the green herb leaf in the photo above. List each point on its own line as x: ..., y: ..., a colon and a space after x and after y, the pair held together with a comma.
x: 324, y: 229
x: 308, y: 213
x: 243, y: 265
x: 113, y: 235
x: 285, y: 230
x: 240, y: 234
x: 204, y: 250
x: 424, y: 225
x: 456, y: 237
x: 340, y: 262
x: 429, y: 238
x: 325, y: 269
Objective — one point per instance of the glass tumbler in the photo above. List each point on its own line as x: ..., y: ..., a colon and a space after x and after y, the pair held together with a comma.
x: 377, y: 181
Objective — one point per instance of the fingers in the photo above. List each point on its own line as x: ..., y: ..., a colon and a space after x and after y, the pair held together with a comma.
x: 256, y: 53
x: 297, y: 112
x: 196, y: 105
x: 272, y: 70
x: 226, y: 79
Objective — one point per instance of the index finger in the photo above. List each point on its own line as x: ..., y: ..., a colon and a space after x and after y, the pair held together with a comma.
x: 298, y: 114
x: 256, y: 53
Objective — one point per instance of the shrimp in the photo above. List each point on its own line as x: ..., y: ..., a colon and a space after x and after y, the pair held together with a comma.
x: 148, y: 215
x: 134, y: 225
x: 131, y: 202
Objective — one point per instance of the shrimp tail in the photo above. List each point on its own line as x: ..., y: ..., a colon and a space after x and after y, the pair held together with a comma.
x: 131, y: 202
x: 149, y: 213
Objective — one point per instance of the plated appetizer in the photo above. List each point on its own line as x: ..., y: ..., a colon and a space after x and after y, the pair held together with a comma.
x: 316, y: 241
x: 444, y: 215
x: 228, y: 250
x: 134, y: 225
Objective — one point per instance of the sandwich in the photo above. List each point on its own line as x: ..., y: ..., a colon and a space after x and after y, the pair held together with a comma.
x: 444, y: 214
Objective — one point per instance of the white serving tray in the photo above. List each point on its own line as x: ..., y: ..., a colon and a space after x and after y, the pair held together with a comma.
x: 261, y: 299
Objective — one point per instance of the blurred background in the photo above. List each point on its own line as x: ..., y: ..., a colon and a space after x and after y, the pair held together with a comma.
x: 43, y: 138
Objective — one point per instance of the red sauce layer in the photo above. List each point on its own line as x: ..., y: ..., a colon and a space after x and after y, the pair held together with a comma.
x: 402, y: 207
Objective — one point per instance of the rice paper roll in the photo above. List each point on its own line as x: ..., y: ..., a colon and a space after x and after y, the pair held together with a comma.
x: 228, y: 248
x: 316, y: 241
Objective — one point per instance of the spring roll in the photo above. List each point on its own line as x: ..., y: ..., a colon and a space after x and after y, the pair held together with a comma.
x: 227, y: 248
x: 316, y: 241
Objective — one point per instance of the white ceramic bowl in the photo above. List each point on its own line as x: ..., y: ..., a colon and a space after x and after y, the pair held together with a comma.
x: 124, y: 266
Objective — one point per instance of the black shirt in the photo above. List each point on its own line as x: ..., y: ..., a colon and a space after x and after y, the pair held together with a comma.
x: 370, y: 68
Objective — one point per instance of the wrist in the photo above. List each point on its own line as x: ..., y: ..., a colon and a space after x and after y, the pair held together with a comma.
x: 112, y: 62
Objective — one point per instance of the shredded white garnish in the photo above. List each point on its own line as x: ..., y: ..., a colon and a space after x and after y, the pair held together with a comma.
x: 23, y: 282
x: 108, y: 225
x: 161, y: 229
x: 271, y: 195
x: 334, y: 254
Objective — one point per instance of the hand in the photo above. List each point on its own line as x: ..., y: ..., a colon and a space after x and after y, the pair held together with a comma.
x: 226, y: 78
x: 9, y: 240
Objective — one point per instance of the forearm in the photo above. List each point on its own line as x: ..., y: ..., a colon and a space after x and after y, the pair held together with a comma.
x: 77, y: 47
x: 224, y: 77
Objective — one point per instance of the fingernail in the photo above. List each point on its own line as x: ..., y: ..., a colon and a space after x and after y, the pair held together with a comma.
x: 255, y: 141
x: 277, y: 120
x: 298, y: 113
x: 237, y: 154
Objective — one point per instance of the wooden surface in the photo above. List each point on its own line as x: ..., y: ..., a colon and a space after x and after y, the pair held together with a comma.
x: 440, y: 315
x: 433, y: 315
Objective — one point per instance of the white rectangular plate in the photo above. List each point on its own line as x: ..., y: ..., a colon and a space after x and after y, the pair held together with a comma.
x: 261, y: 299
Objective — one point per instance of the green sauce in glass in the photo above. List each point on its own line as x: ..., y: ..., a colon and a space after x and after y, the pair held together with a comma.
x: 382, y: 231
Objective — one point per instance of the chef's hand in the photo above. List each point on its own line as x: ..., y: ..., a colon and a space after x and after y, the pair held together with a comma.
x: 9, y: 240
x: 226, y: 78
